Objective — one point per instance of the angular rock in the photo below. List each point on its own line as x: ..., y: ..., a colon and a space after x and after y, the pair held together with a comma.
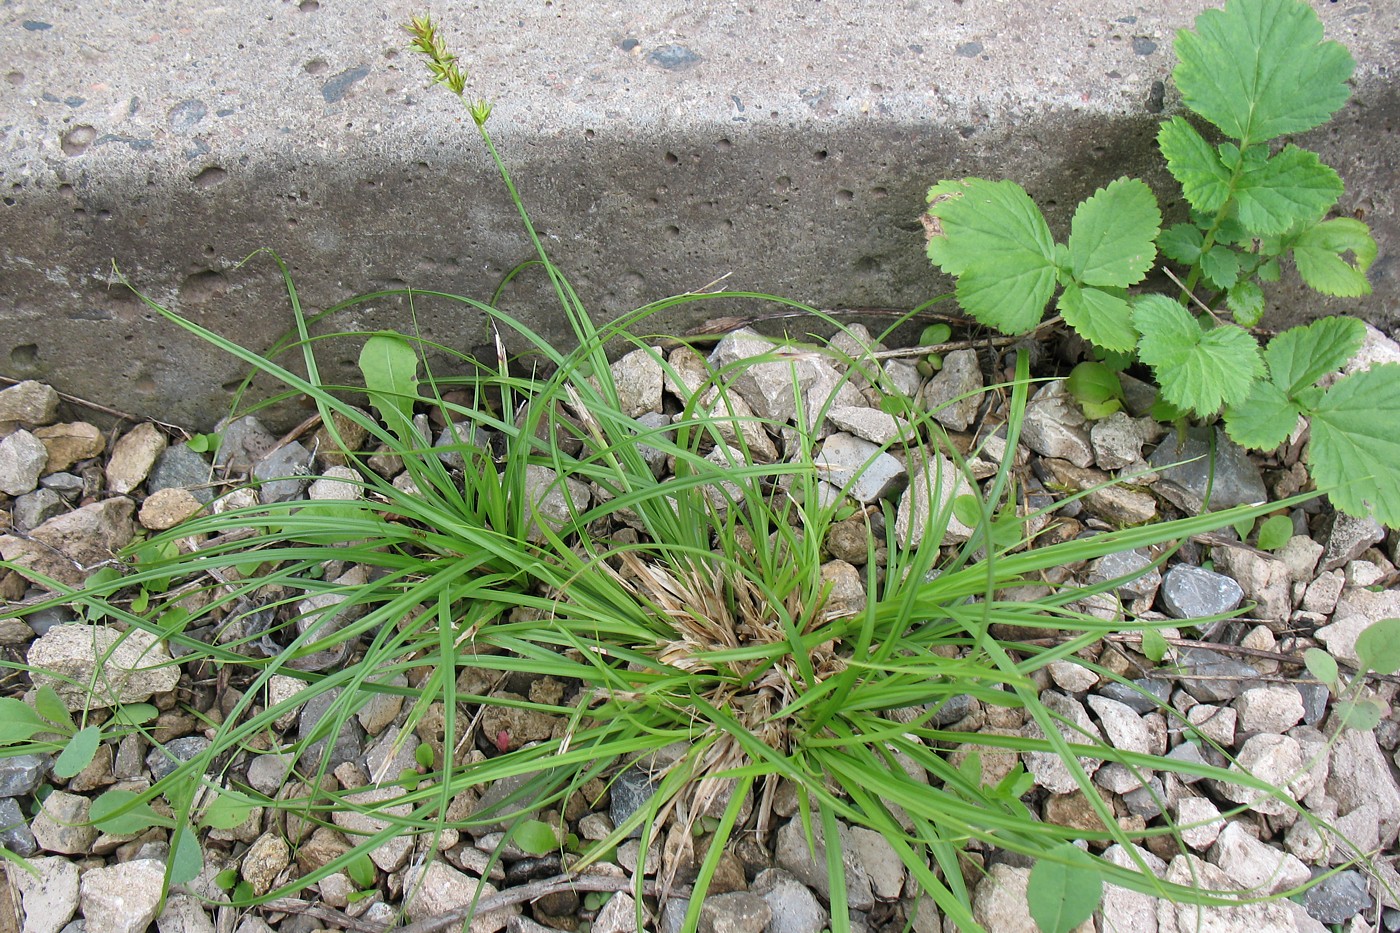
x: 59, y: 826
x: 1253, y: 865
x: 29, y: 402
x: 182, y: 467
x: 1055, y: 426
x: 70, y: 546
x: 15, y: 833
x: 69, y: 443
x: 999, y: 902
x: 265, y: 859
x: 929, y: 499
x: 133, y: 457
x: 1299, y: 554
x: 242, y: 443
x: 1237, y: 478
x: 1345, y: 537
x: 1124, y: 728
x: 49, y: 896
x: 1123, y: 910
x: 134, y: 665
x: 1141, y: 696
x: 1071, y: 677
x: 439, y: 888
x: 551, y: 502
x: 619, y: 915
x: 637, y: 376
x: 1108, y: 500
x: 1190, y: 592
x: 167, y: 508
x: 185, y: 914
x: 1250, y: 917
x: 1356, y: 610
x: 732, y: 418
x: 630, y: 792
x: 736, y: 912
x: 809, y: 866
x: 859, y: 468
x: 34, y: 508
x: 122, y: 898
x: 871, y: 424
x: 22, y: 460
x: 1199, y: 820
x: 879, y: 860
x: 347, y: 742
x: 337, y: 483
x: 20, y: 774
x: 334, y: 448
x: 282, y: 472
x: 1117, y: 441
x: 1144, y: 580
x: 1049, y: 771
x: 1360, y: 775
x: 1273, y: 708
x: 772, y: 387
x: 954, y: 393
x: 165, y: 760
x: 1339, y: 898
x: 1277, y: 760
x: 795, y: 908
x: 1263, y: 579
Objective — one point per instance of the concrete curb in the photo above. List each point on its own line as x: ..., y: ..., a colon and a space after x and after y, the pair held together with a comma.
x: 659, y: 146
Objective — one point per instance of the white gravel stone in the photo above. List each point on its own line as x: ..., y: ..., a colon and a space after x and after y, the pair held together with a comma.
x: 637, y: 376
x: 1263, y: 579
x: 1117, y: 441
x: 1123, y: 910
x: 134, y: 665
x: 133, y: 456
x: 1276, y: 760
x: 444, y: 888
x: 1360, y: 775
x: 880, y: 861
x: 29, y: 402
x: 954, y: 393
x: 1200, y: 821
x: 1255, y: 917
x: 859, y: 467
x: 1046, y: 767
x: 1071, y: 676
x: 871, y: 424
x: 264, y: 861
x: 1300, y: 555
x: 122, y: 898
x: 1322, y: 593
x: 999, y: 902
x: 392, y: 853
x: 1274, y: 708
x: 771, y: 388
x: 940, y: 480
x: 184, y: 914
x: 1124, y: 727
x: 550, y: 500
x: 338, y: 482
x: 1252, y: 864
x: 22, y: 460
x: 1055, y: 427
x: 49, y: 897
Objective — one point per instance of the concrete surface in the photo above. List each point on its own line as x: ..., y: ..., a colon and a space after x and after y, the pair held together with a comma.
x: 659, y: 146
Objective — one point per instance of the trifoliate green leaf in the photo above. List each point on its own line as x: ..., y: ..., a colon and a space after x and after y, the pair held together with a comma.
x: 1246, y: 302
x: 994, y: 238
x: 1195, y: 164
x: 1264, y: 420
x: 1103, y: 319
x: 1221, y: 266
x: 1356, y: 444
x: 1197, y: 370
x: 1112, y: 233
x: 1320, y: 254
x: 1300, y: 356
x: 1259, y: 69
x: 1182, y: 243
x: 1292, y: 187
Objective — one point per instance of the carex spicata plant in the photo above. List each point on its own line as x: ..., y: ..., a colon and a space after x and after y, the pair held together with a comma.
x: 561, y: 594
x: 1254, y: 71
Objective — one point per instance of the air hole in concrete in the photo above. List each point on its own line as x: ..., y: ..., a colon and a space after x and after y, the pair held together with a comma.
x: 233, y: 385
x: 633, y: 280
x: 589, y: 134
x: 878, y: 193
x: 1098, y: 152
x: 76, y: 140
x: 867, y: 264
x: 308, y: 6
x: 671, y: 158
x: 723, y: 145
x: 15, y: 77
x: 728, y: 224
x: 844, y: 196
x: 8, y: 202
x: 782, y: 183
x: 391, y: 54
x: 673, y: 231
x: 210, y: 177
x: 26, y: 355
x: 203, y: 286
x: 291, y: 221
x: 653, y: 202
x: 315, y: 66
x: 104, y: 215
x: 145, y: 384
x: 208, y: 250
x: 819, y: 156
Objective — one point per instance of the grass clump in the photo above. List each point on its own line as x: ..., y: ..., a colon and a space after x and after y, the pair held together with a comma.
x: 683, y: 617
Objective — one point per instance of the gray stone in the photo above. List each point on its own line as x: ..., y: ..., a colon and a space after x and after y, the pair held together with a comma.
x: 552, y: 503
x: 1199, y: 821
x: 337, y: 483
x: 629, y: 793
x: 1117, y: 441
x: 732, y: 418
x: 1190, y: 592
x: 20, y: 774
x: 1143, y: 581
x: 282, y: 473
x: 1055, y: 426
x: 735, y: 912
x: 164, y: 760
x: 67, y: 485
x: 954, y: 393
x: 1272, y: 708
x: 122, y: 898
x: 871, y: 424
x: 1252, y: 864
x: 167, y: 508
x: 15, y: 833
x: 771, y: 387
x: 1300, y: 554
x: 1361, y: 775
x: 1357, y: 610
x: 439, y: 888
x: 1338, y: 898
x: 34, y: 508
x: 1277, y: 760
x: 1124, y: 728
x: 180, y: 467
x: 1122, y: 909
x: 1113, y: 502
x: 1151, y: 693
x: 348, y: 740
x: 22, y: 458
x: 242, y: 443
x: 1249, y: 916
x: 1345, y: 537
x: 619, y: 915
x: 1048, y: 769
x: 267, y: 773
x: 1072, y: 677
x: 134, y: 665
x: 133, y: 456
x: 29, y: 402
x: 49, y: 896
x: 638, y: 378
x: 60, y: 826
x: 999, y: 902
x: 70, y: 546
x: 809, y: 865
x: 185, y: 914
x: 879, y: 861
x: 1236, y: 481
x: 928, y: 503
x: 355, y: 820
x: 863, y: 471
x: 1263, y: 579
x: 795, y: 908
x: 456, y: 441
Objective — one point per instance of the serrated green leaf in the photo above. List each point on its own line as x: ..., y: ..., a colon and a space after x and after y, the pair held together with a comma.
x: 1320, y: 255
x: 1195, y: 165
x: 1154, y: 646
x: 186, y: 857
x: 226, y: 879
x: 1275, y: 533
x: 1103, y: 319
x: 1321, y: 665
x: 78, y: 753
x: 1064, y: 889
x: 1378, y: 646
x: 1362, y: 715
x: 1259, y: 69
x: 1246, y: 302
x: 536, y: 837
x: 1300, y: 356
x: 1113, y: 233
x: 389, y: 365
x: 1221, y: 266
x: 1356, y: 444
x: 1269, y: 271
x: 1181, y: 243
x: 1292, y: 187
x: 48, y: 704
x: 1264, y: 420
x: 995, y: 240
x: 1197, y: 370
